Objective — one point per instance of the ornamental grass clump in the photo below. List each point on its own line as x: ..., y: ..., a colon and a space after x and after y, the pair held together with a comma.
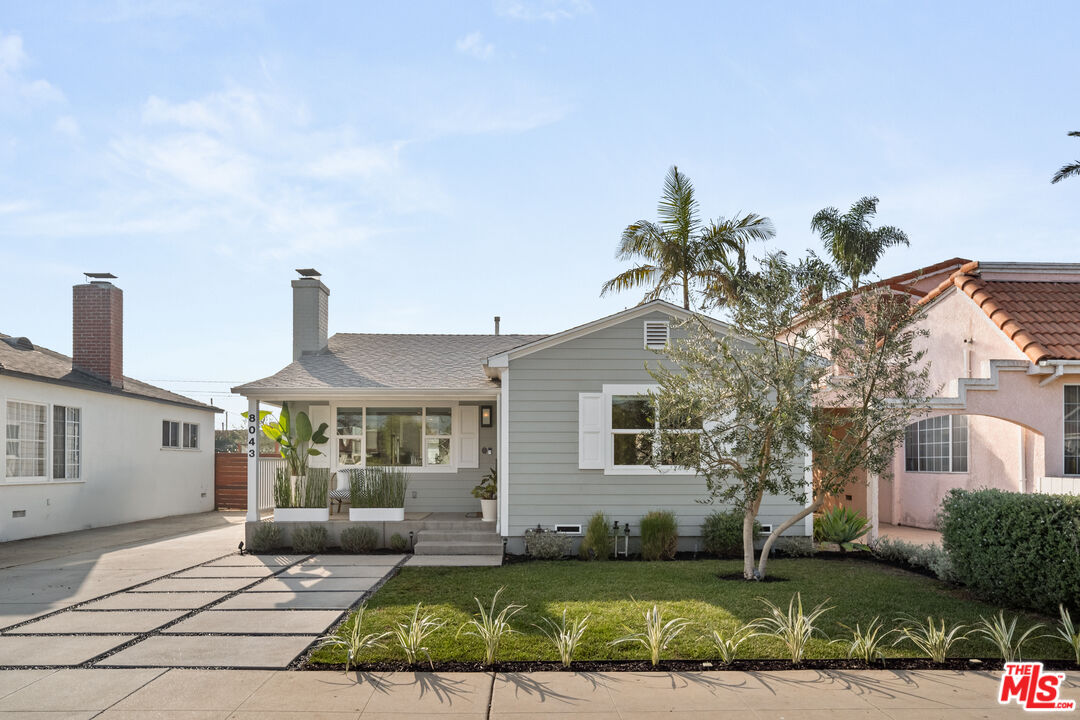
x: 410, y: 635
x: 597, y: 543
x: 657, y: 635
x: 1003, y: 633
x: 378, y: 487
x: 352, y: 641
x: 795, y: 628
x: 865, y: 644
x: 930, y: 639
x: 727, y: 643
x: 659, y: 535
x: 1067, y: 632
x: 491, y: 627
x: 565, y: 635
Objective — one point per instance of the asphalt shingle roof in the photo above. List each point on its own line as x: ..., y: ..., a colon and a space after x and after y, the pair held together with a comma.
x: 402, y: 362
x: 49, y: 366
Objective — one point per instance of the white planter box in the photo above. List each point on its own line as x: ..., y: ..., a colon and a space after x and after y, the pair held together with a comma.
x: 377, y: 514
x: 487, y: 509
x: 301, y: 514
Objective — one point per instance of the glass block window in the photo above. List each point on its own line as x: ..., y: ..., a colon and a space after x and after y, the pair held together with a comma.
x: 937, y: 445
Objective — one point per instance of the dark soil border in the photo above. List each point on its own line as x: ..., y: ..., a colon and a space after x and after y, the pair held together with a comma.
x: 764, y: 665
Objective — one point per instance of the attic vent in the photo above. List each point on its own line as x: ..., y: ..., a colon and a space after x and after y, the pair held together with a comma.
x: 657, y: 333
x: 19, y: 343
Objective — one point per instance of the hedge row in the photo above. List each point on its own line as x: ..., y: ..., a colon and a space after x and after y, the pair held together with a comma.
x: 1015, y: 549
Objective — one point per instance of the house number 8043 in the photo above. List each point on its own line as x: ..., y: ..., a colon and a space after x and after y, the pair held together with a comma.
x: 252, y: 429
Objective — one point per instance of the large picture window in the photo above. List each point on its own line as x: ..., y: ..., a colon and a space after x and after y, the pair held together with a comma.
x: 637, y: 438
x: 937, y: 445
x: 1072, y: 429
x: 25, y: 440
x: 67, y: 443
x: 398, y: 436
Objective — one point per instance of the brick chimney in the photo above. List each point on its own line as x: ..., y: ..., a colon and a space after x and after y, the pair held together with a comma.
x: 311, y: 301
x: 98, y: 330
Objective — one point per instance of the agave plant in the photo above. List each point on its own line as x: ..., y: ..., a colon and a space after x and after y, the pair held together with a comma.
x: 931, y: 639
x: 352, y: 641
x: 565, y: 635
x: 794, y: 628
x: 842, y: 526
x: 1001, y: 634
x: 727, y: 643
x: 658, y: 634
x: 491, y: 627
x: 1068, y: 633
x: 410, y: 635
x: 865, y: 644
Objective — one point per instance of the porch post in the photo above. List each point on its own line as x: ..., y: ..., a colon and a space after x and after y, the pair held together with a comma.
x: 502, y: 417
x: 872, y: 502
x: 253, y: 460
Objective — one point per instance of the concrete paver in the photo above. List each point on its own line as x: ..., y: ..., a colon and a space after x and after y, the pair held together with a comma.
x: 289, y: 601
x: 244, y: 651
x: 223, y: 584
x: 77, y: 690
x: 228, y: 571
x: 257, y: 622
x: 181, y: 689
x: 311, y: 692
x: 305, y: 584
x: 334, y: 560
x: 430, y: 693
x: 270, y: 561
x: 68, y: 650
x: 12, y: 680
x: 154, y: 601
x: 122, y: 621
x: 335, y: 571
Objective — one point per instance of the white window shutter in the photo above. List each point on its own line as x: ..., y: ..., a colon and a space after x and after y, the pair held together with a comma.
x: 591, y: 431
x: 468, y: 436
x: 319, y: 414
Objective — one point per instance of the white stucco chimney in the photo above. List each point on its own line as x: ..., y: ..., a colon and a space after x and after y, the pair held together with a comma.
x: 311, y: 306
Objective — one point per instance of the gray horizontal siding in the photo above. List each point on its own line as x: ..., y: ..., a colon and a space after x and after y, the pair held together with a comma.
x: 545, y: 484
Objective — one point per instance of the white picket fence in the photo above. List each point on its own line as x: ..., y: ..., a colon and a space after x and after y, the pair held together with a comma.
x: 1059, y: 485
x: 267, y: 471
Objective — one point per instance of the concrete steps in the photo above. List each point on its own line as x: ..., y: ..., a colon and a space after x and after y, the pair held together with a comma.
x: 458, y: 538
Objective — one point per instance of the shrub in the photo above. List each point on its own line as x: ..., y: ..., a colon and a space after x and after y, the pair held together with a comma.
x: 378, y: 487
x: 545, y: 545
x: 929, y: 559
x: 309, y: 538
x: 721, y: 533
x: 794, y: 547
x: 840, y: 525
x: 597, y: 543
x: 659, y: 535
x: 359, y: 539
x: 1015, y: 549
x: 399, y: 543
x: 265, y: 538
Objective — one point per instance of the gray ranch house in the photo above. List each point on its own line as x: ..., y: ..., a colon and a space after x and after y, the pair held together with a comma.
x: 560, y: 417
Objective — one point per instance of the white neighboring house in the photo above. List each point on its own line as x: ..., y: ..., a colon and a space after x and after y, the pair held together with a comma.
x: 85, y: 446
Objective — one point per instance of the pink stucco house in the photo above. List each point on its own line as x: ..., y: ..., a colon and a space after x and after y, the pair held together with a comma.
x: 1004, y: 346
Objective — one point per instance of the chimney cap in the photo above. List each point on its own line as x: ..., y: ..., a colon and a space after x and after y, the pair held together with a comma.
x: 99, y: 276
x: 309, y: 272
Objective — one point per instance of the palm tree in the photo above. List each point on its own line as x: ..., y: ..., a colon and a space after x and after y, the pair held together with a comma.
x: 1067, y: 170
x: 855, y: 247
x: 679, y: 252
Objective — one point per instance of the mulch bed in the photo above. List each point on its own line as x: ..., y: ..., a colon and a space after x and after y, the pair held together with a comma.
x: 982, y: 664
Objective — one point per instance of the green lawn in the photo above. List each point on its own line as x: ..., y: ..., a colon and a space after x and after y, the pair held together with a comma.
x: 858, y: 591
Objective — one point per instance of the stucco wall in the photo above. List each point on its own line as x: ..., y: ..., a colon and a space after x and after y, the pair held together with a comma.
x: 125, y: 475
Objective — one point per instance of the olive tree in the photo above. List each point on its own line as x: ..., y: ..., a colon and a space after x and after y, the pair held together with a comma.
x: 791, y: 375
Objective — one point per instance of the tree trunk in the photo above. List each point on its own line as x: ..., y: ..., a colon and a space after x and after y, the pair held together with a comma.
x: 686, y: 291
x: 749, y: 515
x: 775, y: 534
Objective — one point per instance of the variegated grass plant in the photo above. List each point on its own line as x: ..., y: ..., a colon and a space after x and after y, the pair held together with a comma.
x: 865, y: 644
x: 410, y: 635
x: 932, y: 640
x: 491, y: 627
x: 353, y: 641
x: 1003, y: 634
x: 1066, y: 631
x: 794, y: 628
x: 657, y: 635
x: 565, y: 635
x: 727, y: 643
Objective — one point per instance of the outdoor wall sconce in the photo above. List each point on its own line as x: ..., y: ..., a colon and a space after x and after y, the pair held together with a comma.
x: 485, y: 416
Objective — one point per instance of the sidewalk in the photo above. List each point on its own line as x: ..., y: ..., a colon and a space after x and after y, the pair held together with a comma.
x: 247, y: 695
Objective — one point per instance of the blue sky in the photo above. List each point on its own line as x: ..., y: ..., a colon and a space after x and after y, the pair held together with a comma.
x: 442, y: 163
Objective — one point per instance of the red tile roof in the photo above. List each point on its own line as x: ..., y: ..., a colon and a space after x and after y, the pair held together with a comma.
x: 1042, y: 318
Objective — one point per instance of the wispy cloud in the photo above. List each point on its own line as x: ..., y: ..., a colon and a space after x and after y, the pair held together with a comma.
x: 15, y: 88
x: 474, y: 45
x: 68, y: 127
x: 549, y: 10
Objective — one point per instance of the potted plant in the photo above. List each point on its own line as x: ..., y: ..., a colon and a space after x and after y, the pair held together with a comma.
x: 487, y: 492
x: 377, y: 494
x: 300, y: 494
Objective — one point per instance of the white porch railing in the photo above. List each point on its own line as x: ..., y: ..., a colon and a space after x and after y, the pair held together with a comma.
x: 1059, y: 485
x: 267, y: 471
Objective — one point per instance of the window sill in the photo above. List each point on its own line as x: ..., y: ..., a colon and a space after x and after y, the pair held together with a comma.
x: 181, y: 449
x: 39, y: 481
x: 937, y: 472
x: 646, y: 470
x: 443, y: 469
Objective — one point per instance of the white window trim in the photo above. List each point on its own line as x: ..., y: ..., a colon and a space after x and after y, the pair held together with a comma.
x: 180, y: 437
x: 610, y: 468
x: 455, y: 432
x: 950, y: 471
x: 1063, y: 456
x: 47, y: 479
x: 52, y: 438
x: 183, y: 437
